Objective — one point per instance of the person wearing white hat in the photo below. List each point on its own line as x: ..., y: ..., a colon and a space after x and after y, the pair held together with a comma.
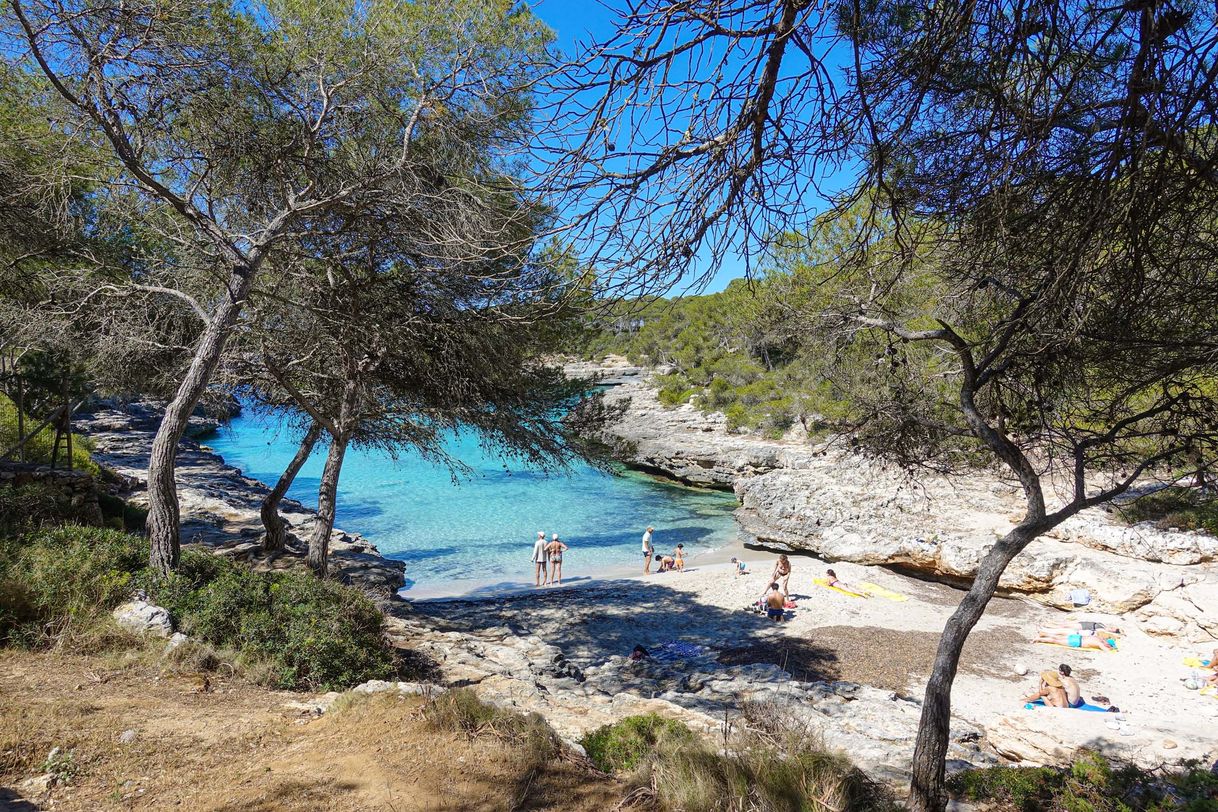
x: 539, y: 559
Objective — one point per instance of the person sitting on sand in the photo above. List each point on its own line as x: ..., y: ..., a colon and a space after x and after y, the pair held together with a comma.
x: 679, y: 556
x: 740, y: 567
x: 833, y: 581
x: 774, y: 600
x: 1050, y: 690
x: 1078, y: 640
x: 1074, y: 694
x: 554, y: 550
x: 539, y: 559
x: 782, y: 574
x: 666, y: 562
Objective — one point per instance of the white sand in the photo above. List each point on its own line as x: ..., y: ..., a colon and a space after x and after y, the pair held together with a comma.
x: 594, y: 618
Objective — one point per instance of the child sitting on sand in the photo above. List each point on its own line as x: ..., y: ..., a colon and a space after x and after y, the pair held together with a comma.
x: 741, y: 567
x: 666, y: 562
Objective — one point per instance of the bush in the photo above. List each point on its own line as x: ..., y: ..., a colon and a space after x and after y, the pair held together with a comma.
x: 620, y: 747
x: 289, y: 627
x: 1174, y: 507
x: 31, y: 505
x: 461, y: 711
x: 57, y: 579
x: 767, y: 771
x: 1091, y: 783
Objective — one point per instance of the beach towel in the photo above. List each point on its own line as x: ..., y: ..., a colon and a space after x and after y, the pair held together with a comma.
x: 882, y: 592
x: 1196, y: 662
x: 1086, y: 706
x: 825, y: 583
x: 789, y: 605
x: 1209, y: 690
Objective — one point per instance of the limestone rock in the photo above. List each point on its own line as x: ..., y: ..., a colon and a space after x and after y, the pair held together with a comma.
x: 141, y: 617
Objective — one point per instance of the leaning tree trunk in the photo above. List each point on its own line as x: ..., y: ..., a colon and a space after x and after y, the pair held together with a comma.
x: 164, y: 521
x: 327, y: 495
x: 276, y: 528
x: 927, y: 790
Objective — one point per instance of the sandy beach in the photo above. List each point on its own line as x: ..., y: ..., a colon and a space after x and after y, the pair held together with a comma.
x: 879, y: 642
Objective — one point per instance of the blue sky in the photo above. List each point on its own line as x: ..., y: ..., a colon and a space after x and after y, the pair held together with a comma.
x: 576, y: 21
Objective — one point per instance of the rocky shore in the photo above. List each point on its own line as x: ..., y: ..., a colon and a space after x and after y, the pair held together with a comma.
x: 843, y: 506
x: 219, y: 505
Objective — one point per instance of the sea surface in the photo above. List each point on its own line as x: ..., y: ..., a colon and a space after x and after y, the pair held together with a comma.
x: 481, y: 524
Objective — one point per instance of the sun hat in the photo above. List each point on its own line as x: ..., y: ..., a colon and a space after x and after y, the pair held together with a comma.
x: 1051, y: 679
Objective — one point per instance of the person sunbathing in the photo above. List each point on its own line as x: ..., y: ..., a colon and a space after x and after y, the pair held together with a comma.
x: 1078, y: 640
x: 832, y: 580
x: 1084, y: 627
x: 1050, y: 690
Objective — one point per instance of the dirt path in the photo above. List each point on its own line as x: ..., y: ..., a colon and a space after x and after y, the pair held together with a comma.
x: 236, y: 747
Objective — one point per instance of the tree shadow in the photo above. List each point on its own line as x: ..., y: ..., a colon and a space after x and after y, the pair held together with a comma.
x: 10, y: 801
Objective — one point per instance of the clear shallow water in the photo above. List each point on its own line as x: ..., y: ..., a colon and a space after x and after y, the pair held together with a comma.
x: 483, y: 526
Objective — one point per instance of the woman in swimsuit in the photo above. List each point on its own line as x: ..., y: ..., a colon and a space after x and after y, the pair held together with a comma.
x: 555, y: 549
x: 782, y: 574
x: 1084, y: 627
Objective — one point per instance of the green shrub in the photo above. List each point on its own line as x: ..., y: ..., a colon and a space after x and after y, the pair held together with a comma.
x: 121, y: 514
x: 292, y: 629
x: 621, y: 746
x: 1174, y: 507
x: 61, y: 577
x: 34, y: 504
x: 1091, y: 784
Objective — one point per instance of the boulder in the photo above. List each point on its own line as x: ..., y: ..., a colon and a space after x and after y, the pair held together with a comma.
x: 141, y: 617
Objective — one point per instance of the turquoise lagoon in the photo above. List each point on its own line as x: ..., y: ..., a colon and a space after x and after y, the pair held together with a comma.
x: 481, y: 527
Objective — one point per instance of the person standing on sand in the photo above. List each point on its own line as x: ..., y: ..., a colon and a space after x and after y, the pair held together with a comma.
x: 648, y: 551
x: 554, y: 550
x: 782, y: 574
x: 539, y: 560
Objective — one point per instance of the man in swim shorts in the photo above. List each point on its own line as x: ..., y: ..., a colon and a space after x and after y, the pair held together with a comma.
x: 1074, y: 694
x: 648, y: 551
x: 539, y: 559
x: 774, y: 600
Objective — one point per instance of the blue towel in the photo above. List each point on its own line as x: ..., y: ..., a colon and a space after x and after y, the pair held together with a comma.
x: 1086, y: 706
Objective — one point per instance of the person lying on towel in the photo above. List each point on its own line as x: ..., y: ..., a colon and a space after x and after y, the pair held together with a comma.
x: 832, y: 580
x: 1077, y: 640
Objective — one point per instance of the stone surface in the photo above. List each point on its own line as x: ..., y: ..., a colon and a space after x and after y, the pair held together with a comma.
x: 127, y: 736
x: 141, y: 617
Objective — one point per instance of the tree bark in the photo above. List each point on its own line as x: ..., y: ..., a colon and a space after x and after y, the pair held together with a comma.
x: 276, y: 529
x: 164, y: 518
x: 319, y: 544
x: 927, y: 791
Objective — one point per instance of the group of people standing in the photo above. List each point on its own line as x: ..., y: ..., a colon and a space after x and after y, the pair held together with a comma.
x: 675, y: 561
x: 547, y: 559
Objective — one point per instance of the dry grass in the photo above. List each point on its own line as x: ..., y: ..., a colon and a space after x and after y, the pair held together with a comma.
x: 208, y: 741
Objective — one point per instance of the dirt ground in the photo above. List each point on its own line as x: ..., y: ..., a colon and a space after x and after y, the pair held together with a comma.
x: 234, y: 746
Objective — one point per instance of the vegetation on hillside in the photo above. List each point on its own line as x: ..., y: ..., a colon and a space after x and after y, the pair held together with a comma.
x: 287, y: 629
x: 38, y: 448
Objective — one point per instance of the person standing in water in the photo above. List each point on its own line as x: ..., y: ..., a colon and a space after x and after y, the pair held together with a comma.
x: 555, y: 549
x: 648, y: 551
x: 539, y: 560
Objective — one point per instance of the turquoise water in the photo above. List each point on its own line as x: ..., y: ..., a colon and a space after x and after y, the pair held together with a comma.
x: 482, y: 526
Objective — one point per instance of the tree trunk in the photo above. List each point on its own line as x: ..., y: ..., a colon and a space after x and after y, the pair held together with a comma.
x: 276, y: 528
x: 927, y: 791
x: 319, y: 544
x: 164, y: 519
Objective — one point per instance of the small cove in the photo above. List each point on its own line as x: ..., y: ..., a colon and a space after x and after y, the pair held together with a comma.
x: 481, y: 525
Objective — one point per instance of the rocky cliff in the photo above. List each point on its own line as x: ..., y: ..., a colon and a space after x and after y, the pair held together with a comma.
x: 844, y: 506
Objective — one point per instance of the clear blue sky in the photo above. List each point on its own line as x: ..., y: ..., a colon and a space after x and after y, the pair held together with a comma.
x: 584, y: 21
